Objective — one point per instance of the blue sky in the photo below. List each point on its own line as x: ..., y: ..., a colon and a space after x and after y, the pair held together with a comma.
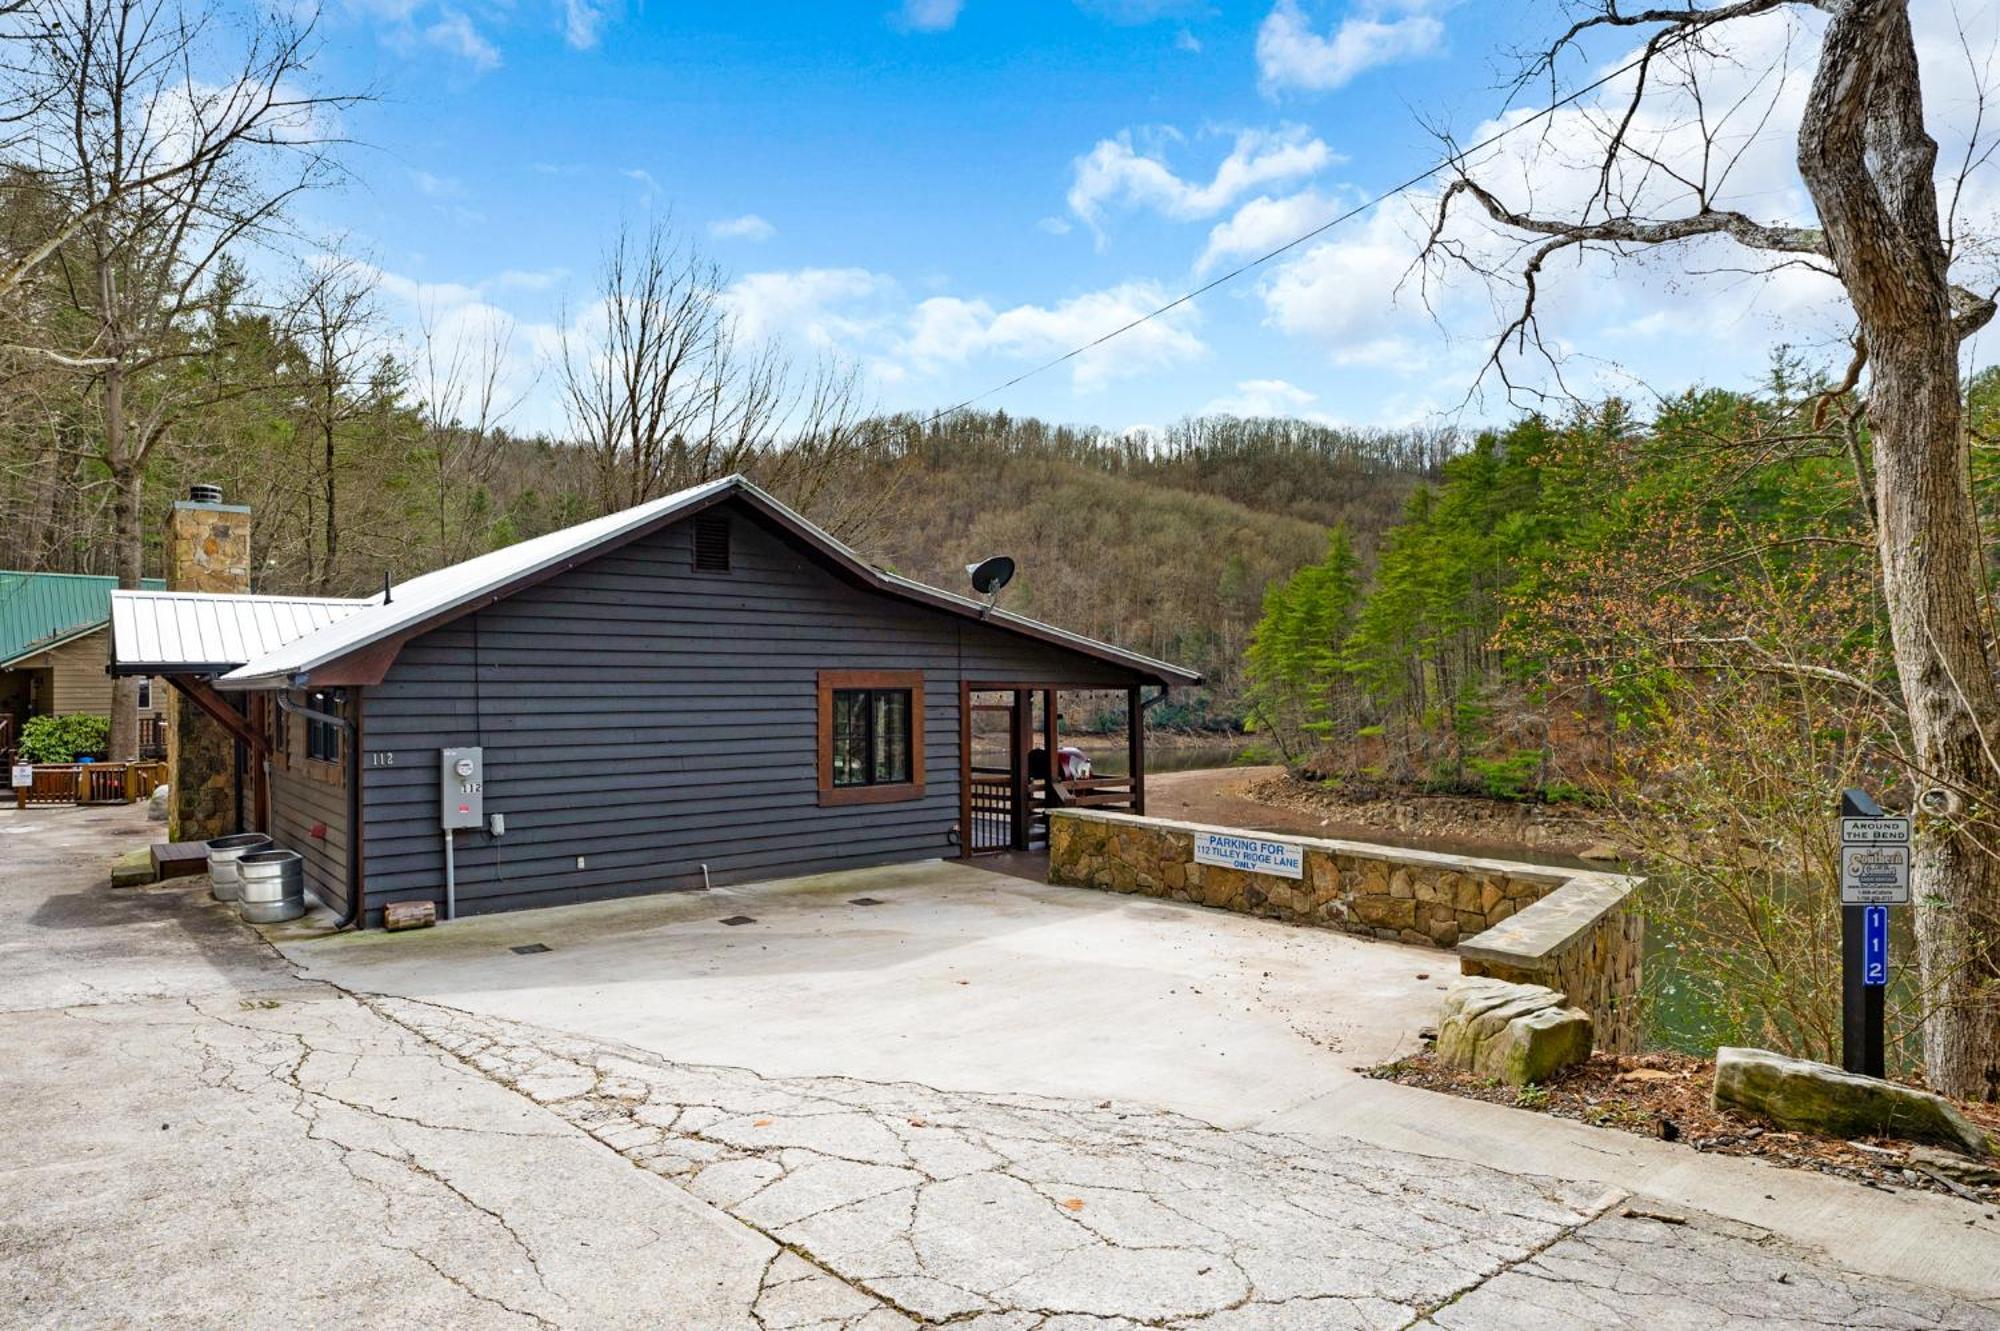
x: 946, y: 193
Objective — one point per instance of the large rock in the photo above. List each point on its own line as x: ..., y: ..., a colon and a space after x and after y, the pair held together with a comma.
x: 1517, y: 1033
x: 1815, y: 1097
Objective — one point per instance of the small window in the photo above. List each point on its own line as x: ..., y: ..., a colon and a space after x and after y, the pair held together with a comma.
x: 871, y: 736
x: 711, y: 543
x: 145, y: 695
x: 323, y: 737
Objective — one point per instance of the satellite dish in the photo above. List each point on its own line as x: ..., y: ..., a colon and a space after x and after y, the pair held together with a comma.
x: 990, y: 575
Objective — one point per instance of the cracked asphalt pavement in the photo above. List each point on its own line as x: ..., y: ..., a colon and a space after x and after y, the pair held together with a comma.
x: 191, y: 1134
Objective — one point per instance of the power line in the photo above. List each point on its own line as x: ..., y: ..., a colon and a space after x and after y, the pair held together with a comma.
x: 1543, y: 114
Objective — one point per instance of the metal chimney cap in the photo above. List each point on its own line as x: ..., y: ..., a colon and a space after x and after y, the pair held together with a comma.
x: 204, y: 493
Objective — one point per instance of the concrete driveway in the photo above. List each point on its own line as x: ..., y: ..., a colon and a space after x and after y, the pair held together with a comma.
x: 958, y: 978
x: 810, y: 1124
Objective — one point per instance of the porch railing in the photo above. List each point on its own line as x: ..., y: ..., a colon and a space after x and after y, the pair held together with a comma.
x: 90, y: 783
x: 992, y: 804
x: 152, y: 737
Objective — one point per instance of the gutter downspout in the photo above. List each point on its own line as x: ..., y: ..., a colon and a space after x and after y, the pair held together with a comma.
x: 351, y: 730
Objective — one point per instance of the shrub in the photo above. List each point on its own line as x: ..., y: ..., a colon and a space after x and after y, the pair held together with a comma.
x: 62, y: 739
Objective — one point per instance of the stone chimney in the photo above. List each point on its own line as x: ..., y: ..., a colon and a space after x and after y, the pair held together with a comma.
x: 208, y: 550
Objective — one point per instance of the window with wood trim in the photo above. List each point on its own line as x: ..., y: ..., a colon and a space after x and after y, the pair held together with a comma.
x: 711, y: 543
x: 323, y: 737
x: 871, y: 736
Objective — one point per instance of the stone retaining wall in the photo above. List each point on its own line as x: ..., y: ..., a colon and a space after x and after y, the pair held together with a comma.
x: 1573, y: 931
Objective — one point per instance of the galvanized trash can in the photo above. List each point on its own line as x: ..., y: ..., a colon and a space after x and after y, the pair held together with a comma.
x: 273, y: 886
x: 223, y: 852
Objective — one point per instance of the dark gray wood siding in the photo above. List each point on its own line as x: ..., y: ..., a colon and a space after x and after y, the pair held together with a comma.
x: 307, y: 797
x: 651, y: 719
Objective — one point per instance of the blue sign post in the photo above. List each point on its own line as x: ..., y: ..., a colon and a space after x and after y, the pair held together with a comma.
x: 1875, y: 947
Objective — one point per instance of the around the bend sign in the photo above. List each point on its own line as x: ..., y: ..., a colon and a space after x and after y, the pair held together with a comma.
x: 1250, y: 854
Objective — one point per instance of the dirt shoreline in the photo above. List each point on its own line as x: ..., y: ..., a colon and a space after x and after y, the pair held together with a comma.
x: 1268, y: 799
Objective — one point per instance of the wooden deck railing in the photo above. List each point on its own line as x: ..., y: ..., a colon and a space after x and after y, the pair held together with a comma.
x: 152, y: 737
x: 992, y: 805
x: 90, y: 783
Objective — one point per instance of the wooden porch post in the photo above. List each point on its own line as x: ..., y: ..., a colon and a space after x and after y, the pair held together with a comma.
x: 1022, y: 740
x: 964, y: 770
x: 1135, y: 747
x: 1049, y: 744
x: 260, y: 776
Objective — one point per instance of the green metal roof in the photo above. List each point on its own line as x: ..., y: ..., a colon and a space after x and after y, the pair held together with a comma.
x: 39, y: 610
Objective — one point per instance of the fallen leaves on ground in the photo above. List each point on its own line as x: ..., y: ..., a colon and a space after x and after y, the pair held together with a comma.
x: 1667, y: 1096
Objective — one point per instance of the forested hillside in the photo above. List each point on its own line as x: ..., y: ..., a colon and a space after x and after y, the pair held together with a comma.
x: 1573, y: 589
x: 1165, y: 543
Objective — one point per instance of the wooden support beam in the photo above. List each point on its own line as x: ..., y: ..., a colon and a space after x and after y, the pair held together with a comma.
x: 964, y: 770
x: 203, y: 695
x: 1049, y: 746
x: 260, y: 763
x: 1135, y: 747
x: 1022, y: 741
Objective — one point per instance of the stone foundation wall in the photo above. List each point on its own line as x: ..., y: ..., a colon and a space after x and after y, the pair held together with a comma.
x: 1522, y: 922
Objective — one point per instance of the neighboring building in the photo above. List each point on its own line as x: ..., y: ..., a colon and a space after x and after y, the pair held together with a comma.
x: 703, y: 689
x: 55, y: 645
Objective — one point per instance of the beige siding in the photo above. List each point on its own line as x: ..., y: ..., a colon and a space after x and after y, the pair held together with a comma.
x: 78, y: 682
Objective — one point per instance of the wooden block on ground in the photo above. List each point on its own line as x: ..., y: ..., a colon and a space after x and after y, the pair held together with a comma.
x: 409, y: 915
x: 175, y: 859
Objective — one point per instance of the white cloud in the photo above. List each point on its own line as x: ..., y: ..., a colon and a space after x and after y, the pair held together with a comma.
x: 928, y: 15
x: 1344, y: 293
x: 867, y: 317
x: 649, y: 188
x: 583, y: 22
x: 823, y: 308
x: 1377, y: 32
x: 948, y: 330
x: 1265, y: 223
x: 747, y: 227
x: 1700, y: 311
x: 453, y: 33
x: 437, y: 187
x: 1187, y: 41
x: 1262, y: 397
x: 1055, y: 226
x: 1117, y: 172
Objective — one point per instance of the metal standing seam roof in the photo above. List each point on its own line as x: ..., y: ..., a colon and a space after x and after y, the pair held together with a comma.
x: 421, y: 600
x: 43, y: 610
x: 161, y: 632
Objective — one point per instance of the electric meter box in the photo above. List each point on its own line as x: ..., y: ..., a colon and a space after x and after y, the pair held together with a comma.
x: 462, y: 788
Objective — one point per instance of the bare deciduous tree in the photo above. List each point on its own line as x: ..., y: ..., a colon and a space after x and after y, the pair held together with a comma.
x: 169, y: 136
x: 345, y: 375
x: 665, y: 392
x: 1870, y: 168
x: 464, y: 401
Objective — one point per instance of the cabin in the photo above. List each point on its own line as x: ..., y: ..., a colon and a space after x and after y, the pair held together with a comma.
x: 55, y: 645
x: 701, y: 690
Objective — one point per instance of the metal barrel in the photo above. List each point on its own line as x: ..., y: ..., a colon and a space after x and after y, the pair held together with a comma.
x: 274, y: 886
x: 223, y: 852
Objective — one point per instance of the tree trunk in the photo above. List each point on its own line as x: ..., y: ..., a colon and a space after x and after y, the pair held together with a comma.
x: 128, y: 539
x: 1929, y: 552
x: 1869, y: 163
x: 332, y: 526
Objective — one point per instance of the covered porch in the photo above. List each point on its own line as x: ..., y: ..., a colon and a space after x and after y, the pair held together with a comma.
x: 1011, y: 771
